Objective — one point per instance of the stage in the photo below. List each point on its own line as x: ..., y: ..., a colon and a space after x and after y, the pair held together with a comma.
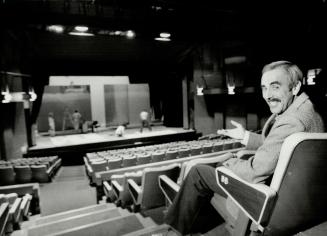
x: 76, y: 145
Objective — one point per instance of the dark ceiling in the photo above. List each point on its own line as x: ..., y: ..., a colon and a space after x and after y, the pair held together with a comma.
x: 267, y: 27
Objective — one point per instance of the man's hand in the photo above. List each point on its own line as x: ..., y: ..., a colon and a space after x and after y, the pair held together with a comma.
x: 236, y: 133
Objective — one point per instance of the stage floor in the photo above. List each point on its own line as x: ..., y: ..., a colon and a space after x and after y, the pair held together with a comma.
x: 46, y: 142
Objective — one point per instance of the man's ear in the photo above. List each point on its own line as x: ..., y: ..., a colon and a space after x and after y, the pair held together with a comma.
x: 296, y: 88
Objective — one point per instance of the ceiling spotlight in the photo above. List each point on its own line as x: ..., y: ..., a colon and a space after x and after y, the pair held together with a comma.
x: 80, y: 28
x: 164, y: 35
x: 130, y: 34
x: 81, y: 34
x: 162, y: 39
x: 55, y: 28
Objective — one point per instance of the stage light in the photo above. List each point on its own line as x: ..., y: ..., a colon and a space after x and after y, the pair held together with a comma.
x: 81, y: 34
x: 130, y: 34
x: 165, y: 35
x: 6, y: 96
x: 33, y: 95
x: 81, y: 28
x: 162, y: 39
x: 55, y: 28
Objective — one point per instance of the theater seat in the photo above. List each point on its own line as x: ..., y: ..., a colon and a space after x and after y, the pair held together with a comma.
x: 7, y: 175
x: 40, y: 173
x: 4, y: 214
x: 23, y: 174
x: 158, y: 156
x: 296, y: 198
x: 120, y: 188
x: 170, y: 187
x: 148, y: 195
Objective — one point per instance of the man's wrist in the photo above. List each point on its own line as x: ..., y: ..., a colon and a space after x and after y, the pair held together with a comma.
x: 245, y: 139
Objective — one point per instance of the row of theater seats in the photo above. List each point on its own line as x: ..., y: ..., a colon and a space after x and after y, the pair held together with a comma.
x: 13, y: 210
x: 28, y: 170
x: 140, y: 190
x: 274, y: 209
x: 116, y: 159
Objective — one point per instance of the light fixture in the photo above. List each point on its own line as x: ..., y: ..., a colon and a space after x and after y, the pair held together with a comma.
x: 164, y: 35
x: 81, y: 28
x: 230, y: 81
x: 6, y: 95
x: 81, y: 33
x: 199, y: 90
x: 130, y: 34
x: 32, y: 94
x: 201, y: 86
x: 162, y: 39
x: 55, y: 28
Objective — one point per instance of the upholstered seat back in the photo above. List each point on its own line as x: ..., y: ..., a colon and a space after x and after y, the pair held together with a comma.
x: 301, y: 185
x: 152, y: 195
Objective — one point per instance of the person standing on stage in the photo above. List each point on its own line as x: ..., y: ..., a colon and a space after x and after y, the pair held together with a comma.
x: 145, y: 120
x: 67, y: 119
x: 76, y: 119
x: 52, y: 126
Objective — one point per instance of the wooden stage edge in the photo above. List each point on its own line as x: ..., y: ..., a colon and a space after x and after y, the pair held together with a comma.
x: 76, y: 145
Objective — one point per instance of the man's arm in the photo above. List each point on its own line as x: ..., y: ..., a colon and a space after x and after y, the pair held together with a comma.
x: 252, y: 141
x: 262, y: 164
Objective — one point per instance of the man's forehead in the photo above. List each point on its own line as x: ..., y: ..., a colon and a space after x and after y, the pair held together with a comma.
x: 274, y: 76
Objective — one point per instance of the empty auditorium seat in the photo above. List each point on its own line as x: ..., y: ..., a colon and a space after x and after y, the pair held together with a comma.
x: 120, y: 188
x: 40, y: 173
x: 4, y: 213
x: 22, y: 190
x: 184, y: 152
x: 171, y: 154
x: 207, y: 148
x: 218, y: 146
x: 148, y: 195
x: 115, y: 163
x: 170, y: 187
x: 158, y: 156
x: 7, y: 175
x: 228, y: 144
x: 129, y: 161
x: 143, y: 158
x: 196, y: 150
x: 23, y: 174
x: 99, y: 165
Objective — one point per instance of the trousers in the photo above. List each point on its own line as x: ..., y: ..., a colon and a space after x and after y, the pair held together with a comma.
x: 191, y: 211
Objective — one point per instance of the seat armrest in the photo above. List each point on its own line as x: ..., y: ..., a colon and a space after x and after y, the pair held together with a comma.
x: 25, y: 205
x: 207, y: 160
x: 117, y: 188
x: 245, y: 154
x: 14, y: 212
x: 168, y: 187
x: 135, y: 191
x: 255, y: 200
x: 108, y: 191
x: 4, y: 214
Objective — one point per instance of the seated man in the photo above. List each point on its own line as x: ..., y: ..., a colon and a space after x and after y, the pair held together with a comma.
x: 292, y: 111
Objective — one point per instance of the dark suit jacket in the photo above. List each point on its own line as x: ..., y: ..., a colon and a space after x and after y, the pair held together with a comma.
x: 299, y: 117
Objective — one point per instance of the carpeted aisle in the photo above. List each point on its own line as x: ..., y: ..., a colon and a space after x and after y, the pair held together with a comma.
x: 69, y: 190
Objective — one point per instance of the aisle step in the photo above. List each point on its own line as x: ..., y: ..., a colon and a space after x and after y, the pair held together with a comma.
x: 75, y: 212
x: 110, y: 227
x: 75, y: 221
